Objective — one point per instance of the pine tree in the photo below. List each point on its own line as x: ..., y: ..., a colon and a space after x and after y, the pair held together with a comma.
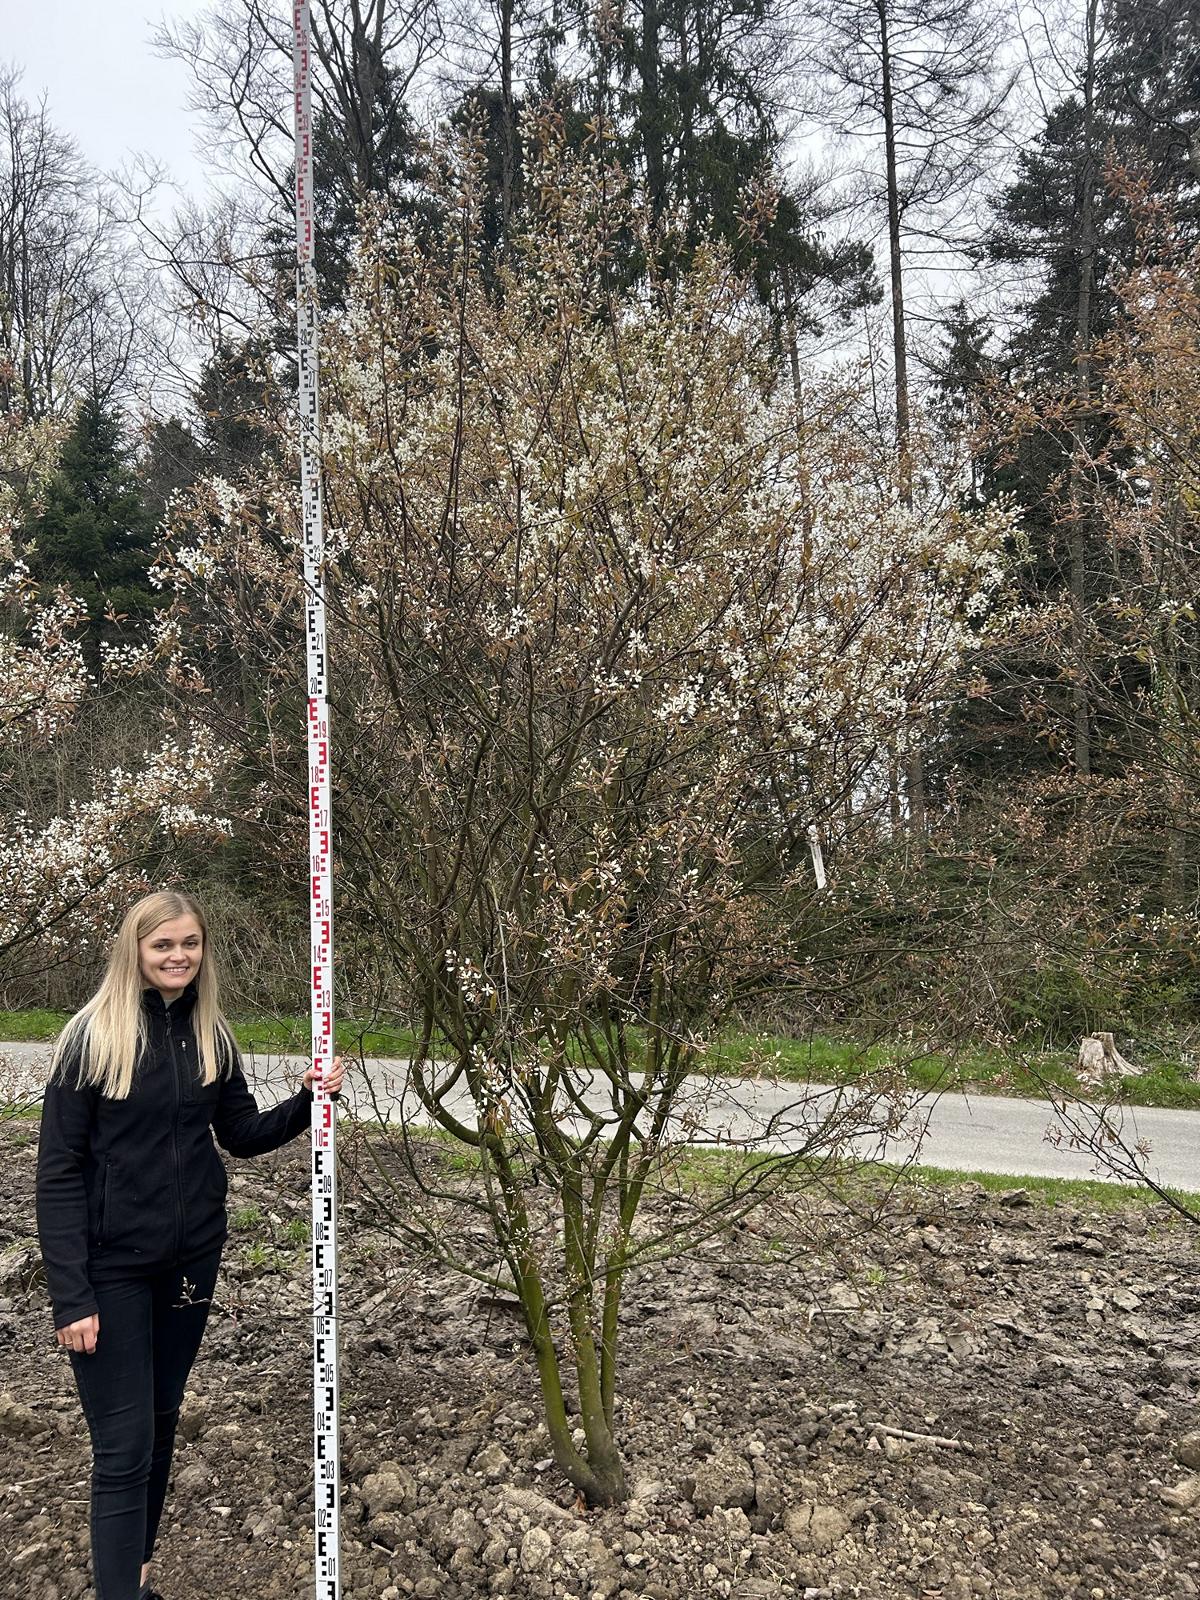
x: 959, y: 374
x: 228, y: 436
x: 989, y: 738
x: 1060, y: 212
x: 1131, y: 103
x: 1059, y: 216
x: 95, y: 533
x: 1151, y: 81
x: 702, y: 108
x: 236, y: 388
x: 378, y: 158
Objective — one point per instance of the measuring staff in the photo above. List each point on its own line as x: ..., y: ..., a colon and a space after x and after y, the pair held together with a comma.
x: 326, y: 1473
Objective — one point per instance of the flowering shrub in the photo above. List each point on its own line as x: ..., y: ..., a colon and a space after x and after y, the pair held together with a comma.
x: 610, y: 630
x: 68, y: 869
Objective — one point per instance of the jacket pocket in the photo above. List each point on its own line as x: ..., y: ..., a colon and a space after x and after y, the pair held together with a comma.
x: 129, y: 1217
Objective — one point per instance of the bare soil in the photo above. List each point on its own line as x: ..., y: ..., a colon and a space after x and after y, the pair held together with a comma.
x: 1049, y: 1356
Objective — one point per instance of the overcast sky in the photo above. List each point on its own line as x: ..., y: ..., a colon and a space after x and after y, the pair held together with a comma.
x: 104, y: 84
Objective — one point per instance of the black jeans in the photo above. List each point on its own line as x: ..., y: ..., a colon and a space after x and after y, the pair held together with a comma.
x: 131, y: 1388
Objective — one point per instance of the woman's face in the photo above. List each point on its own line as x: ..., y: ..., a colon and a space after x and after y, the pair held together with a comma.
x: 170, y: 956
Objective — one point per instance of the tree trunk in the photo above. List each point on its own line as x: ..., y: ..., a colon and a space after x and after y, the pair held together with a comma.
x: 1077, y: 536
x: 914, y: 766
x: 508, y: 128
x: 1098, y: 1056
x: 600, y: 1474
x: 895, y: 263
x: 651, y: 110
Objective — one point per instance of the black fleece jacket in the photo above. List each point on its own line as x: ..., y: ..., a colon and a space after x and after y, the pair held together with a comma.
x: 138, y: 1182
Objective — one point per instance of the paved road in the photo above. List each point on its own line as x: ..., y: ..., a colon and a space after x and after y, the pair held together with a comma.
x: 986, y: 1133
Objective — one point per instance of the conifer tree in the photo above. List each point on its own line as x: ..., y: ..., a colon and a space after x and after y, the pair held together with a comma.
x: 94, y: 533
x: 691, y: 98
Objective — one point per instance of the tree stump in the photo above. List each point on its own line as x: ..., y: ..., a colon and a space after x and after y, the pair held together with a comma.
x: 1098, y: 1056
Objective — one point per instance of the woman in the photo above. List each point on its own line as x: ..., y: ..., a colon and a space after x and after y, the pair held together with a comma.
x: 131, y: 1207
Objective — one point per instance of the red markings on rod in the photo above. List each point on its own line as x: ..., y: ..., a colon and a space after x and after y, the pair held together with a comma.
x: 320, y: 831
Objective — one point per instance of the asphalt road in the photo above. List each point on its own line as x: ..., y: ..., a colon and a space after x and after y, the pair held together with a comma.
x: 966, y: 1133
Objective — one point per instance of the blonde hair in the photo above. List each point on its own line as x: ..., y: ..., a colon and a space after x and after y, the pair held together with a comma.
x: 108, y: 1034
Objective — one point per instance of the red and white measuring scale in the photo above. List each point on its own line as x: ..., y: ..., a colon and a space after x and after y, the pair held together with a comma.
x: 326, y: 1486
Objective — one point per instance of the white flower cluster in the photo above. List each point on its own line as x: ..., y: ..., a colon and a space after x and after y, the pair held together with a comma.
x: 475, y: 986
x: 61, y: 876
x: 29, y: 456
x: 42, y: 674
x: 124, y: 660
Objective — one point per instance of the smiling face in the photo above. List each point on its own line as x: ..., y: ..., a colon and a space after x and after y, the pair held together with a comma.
x: 170, y: 956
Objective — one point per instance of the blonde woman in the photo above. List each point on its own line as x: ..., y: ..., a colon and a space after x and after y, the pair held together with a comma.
x: 131, y: 1207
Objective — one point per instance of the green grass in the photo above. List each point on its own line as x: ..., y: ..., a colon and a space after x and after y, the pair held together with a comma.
x: 981, y: 1069
x: 32, y: 1025
x: 1042, y: 1191
x: 20, y: 1113
x: 278, y: 1035
x: 290, y: 1036
x: 824, y: 1058
x: 698, y: 1171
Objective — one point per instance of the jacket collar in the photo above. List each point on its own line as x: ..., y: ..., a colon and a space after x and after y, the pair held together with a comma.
x: 157, y: 1007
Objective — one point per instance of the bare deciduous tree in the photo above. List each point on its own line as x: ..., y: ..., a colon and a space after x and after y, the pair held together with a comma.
x: 70, y: 300
x: 368, y: 55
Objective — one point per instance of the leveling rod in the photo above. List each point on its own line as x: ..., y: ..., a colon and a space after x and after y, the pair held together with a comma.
x: 326, y: 1473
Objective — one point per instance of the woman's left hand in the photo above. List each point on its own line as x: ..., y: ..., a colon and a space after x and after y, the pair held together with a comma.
x: 333, y: 1078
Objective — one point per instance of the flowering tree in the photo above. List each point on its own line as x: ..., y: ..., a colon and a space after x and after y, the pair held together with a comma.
x: 605, y: 648
x: 73, y: 846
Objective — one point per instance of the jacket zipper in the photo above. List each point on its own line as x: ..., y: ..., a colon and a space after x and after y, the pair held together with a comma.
x: 104, y: 1200
x: 175, y: 1142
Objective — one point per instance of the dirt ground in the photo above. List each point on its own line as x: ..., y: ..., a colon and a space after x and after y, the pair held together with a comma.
x: 1048, y: 1355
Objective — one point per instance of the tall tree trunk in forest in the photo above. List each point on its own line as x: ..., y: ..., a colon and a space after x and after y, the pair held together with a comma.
x: 914, y: 767
x: 508, y: 122
x: 652, y: 117
x: 895, y: 264
x: 1077, y: 534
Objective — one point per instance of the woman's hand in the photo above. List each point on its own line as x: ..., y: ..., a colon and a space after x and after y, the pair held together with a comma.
x: 333, y: 1078
x: 81, y: 1335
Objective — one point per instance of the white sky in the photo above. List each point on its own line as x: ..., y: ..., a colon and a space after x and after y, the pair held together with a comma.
x: 103, y: 83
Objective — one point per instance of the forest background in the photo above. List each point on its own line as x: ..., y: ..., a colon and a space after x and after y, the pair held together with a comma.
x: 964, y: 244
